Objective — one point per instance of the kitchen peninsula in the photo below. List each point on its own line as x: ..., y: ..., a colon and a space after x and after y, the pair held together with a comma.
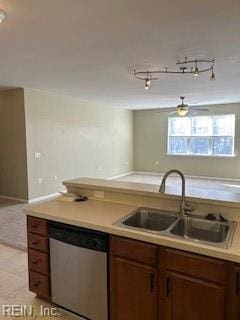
x: 150, y: 275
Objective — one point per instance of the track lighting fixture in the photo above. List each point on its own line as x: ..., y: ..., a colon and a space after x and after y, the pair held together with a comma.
x: 2, y: 16
x: 194, y: 67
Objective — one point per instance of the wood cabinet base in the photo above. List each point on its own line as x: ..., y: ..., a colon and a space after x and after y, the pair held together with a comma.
x: 175, y: 285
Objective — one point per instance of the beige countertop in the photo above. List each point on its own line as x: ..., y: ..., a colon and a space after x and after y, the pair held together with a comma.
x: 199, y: 195
x: 101, y: 215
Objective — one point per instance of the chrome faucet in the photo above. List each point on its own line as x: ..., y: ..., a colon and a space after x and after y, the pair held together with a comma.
x: 184, y: 207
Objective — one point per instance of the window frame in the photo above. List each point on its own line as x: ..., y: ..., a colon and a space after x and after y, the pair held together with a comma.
x: 233, y: 155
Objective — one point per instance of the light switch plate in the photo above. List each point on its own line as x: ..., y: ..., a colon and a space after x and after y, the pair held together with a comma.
x: 37, y: 155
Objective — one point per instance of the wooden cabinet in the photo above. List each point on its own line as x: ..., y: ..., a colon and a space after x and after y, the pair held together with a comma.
x: 37, y: 226
x: 234, y: 293
x: 189, y: 298
x: 236, y: 290
x: 38, y: 242
x: 39, y: 284
x: 160, y: 283
x: 38, y: 257
x: 195, y: 286
x: 133, y: 284
x: 150, y: 282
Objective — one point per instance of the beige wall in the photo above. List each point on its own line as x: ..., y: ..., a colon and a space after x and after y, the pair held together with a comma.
x: 150, y: 145
x: 13, y: 162
x: 75, y: 139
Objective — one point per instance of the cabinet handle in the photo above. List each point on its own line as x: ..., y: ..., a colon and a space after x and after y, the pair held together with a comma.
x: 34, y: 226
x: 168, y: 280
x: 237, y: 283
x: 36, y: 284
x: 35, y: 261
x: 34, y: 242
x: 152, y: 278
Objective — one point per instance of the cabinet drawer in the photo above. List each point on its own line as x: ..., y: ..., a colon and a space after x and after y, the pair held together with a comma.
x: 196, y: 265
x: 134, y: 250
x: 36, y: 225
x: 38, y: 261
x: 38, y: 242
x: 39, y: 284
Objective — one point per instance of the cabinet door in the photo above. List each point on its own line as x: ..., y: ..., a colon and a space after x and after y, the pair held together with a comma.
x: 133, y: 290
x: 236, y: 293
x: 189, y: 298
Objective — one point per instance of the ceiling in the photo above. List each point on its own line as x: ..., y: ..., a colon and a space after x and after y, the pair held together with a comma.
x: 89, y: 48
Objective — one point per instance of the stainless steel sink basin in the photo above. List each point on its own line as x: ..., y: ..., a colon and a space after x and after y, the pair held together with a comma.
x: 190, y: 228
x: 199, y: 229
x: 149, y: 220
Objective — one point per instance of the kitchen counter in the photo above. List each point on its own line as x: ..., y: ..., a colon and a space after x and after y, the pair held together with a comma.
x: 101, y: 215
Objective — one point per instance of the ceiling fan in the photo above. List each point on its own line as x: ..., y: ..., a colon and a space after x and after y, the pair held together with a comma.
x: 183, y: 109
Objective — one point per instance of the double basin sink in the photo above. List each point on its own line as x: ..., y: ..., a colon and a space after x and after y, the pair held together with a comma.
x: 191, y: 227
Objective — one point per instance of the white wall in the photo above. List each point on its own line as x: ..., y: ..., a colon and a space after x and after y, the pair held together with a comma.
x: 75, y: 139
x: 150, y: 145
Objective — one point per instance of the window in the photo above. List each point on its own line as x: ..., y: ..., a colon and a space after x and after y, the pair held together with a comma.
x: 202, y: 135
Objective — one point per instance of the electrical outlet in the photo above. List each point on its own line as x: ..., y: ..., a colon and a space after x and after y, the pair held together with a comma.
x: 55, y: 178
x: 156, y: 163
x: 99, y: 194
x: 100, y: 168
x: 40, y: 180
x: 37, y: 155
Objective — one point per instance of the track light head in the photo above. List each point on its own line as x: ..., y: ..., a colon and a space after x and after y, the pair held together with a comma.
x: 2, y: 16
x: 148, y: 82
x: 196, y: 72
x: 212, y: 75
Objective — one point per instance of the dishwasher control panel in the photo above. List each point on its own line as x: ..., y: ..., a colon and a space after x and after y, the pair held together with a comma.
x: 79, y: 236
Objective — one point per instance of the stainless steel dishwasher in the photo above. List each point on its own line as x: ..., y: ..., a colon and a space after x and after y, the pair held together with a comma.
x: 79, y: 259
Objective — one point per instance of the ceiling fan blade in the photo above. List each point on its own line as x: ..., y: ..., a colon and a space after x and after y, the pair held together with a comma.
x: 172, y: 113
x: 164, y: 109
x: 200, y: 109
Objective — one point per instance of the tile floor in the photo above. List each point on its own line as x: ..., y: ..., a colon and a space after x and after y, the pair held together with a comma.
x: 14, y: 285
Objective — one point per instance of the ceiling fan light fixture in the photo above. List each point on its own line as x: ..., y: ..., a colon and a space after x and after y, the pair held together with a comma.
x: 2, y: 16
x: 182, y: 111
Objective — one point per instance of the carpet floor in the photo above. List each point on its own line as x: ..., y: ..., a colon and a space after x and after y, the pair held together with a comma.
x: 13, y: 224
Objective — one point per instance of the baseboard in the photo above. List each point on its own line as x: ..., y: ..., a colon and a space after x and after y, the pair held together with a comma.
x: 13, y: 199
x: 49, y: 196
x: 148, y: 173
x: 121, y: 175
